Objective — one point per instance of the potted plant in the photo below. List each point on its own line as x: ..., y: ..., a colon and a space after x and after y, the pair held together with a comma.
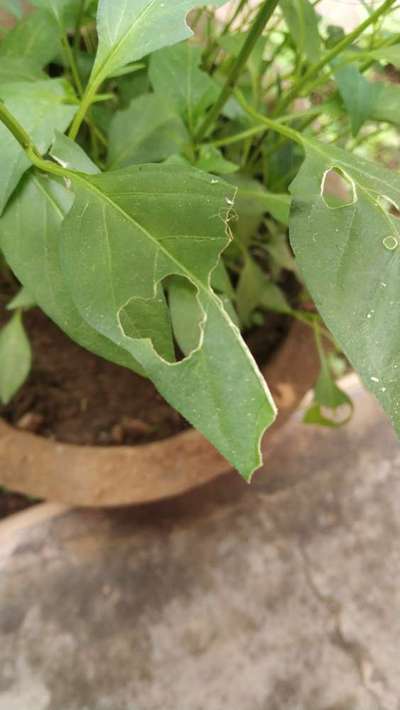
x: 149, y: 173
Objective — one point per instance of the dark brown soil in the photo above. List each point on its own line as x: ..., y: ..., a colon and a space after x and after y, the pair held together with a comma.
x: 11, y: 503
x: 76, y: 397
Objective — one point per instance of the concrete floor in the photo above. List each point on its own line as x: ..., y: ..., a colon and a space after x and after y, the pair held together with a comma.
x: 280, y: 596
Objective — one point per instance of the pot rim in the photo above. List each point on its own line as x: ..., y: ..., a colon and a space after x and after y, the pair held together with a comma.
x: 102, y: 476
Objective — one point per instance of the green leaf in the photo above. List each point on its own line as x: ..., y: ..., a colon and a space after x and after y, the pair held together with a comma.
x: 127, y: 232
x: 211, y: 160
x: 35, y: 39
x: 221, y: 282
x: 41, y: 109
x: 255, y: 291
x: 390, y: 55
x: 386, y: 102
x: 14, y: 69
x: 15, y: 357
x: 302, y: 22
x: 128, y: 31
x: 331, y: 406
x: 23, y: 299
x: 70, y: 155
x: 29, y: 239
x: 65, y: 12
x: 358, y: 94
x: 175, y: 74
x: 148, y: 131
x: 350, y: 259
x: 186, y: 315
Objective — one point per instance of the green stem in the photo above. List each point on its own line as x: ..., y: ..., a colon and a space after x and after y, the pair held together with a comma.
x: 72, y: 64
x: 77, y: 33
x: 272, y: 124
x: 264, y: 14
x: 26, y: 143
x: 85, y: 104
x: 315, y: 69
x: 14, y: 127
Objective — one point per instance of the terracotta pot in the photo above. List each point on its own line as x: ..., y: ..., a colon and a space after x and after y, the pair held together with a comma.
x: 122, y: 475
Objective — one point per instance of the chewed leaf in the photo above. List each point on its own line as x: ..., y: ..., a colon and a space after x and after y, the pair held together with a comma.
x: 129, y: 31
x: 29, y: 238
x: 350, y: 259
x: 123, y: 238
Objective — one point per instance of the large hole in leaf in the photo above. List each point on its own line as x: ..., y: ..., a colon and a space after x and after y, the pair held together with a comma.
x: 172, y: 320
x: 186, y: 315
x: 338, y: 189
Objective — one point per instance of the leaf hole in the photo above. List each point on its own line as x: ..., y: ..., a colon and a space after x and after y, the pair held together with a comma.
x: 338, y: 189
x: 187, y: 316
x: 389, y: 206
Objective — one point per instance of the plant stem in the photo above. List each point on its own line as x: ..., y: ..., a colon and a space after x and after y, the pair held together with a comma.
x: 77, y: 33
x: 315, y: 69
x: 85, y: 104
x: 72, y: 64
x: 26, y: 143
x: 273, y: 125
x: 264, y: 14
x: 14, y: 127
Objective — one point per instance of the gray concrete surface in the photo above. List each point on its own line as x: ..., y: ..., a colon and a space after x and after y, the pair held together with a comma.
x: 280, y: 596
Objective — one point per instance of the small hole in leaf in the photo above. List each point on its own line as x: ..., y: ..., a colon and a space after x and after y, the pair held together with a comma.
x: 391, y: 242
x: 338, y: 189
x: 389, y: 206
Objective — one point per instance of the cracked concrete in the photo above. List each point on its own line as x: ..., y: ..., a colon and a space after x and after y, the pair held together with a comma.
x: 280, y: 596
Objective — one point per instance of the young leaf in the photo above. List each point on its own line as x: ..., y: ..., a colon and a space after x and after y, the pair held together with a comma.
x: 34, y: 39
x: 358, y: 95
x: 29, y: 239
x: 70, y: 155
x: 186, y: 315
x: 41, y: 109
x: 350, y: 259
x: 128, y: 231
x: 331, y: 406
x: 255, y: 290
x: 386, y: 102
x: 65, y: 12
x: 23, y: 299
x: 391, y: 55
x: 302, y: 21
x: 147, y: 132
x: 15, y: 357
x: 211, y: 160
x: 175, y: 74
x: 128, y: 31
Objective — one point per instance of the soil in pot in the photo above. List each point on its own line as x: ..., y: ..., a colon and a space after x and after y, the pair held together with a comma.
x: 11, y: 503
x: 75, y: 397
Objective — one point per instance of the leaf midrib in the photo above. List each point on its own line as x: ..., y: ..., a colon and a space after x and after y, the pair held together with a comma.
x: 116, y: 48
x: 99, y: 193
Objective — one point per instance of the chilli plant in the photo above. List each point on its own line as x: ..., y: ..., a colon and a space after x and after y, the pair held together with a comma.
x: 154, y: 158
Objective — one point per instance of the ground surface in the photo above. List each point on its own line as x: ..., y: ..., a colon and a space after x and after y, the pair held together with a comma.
x: 280, y: 596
